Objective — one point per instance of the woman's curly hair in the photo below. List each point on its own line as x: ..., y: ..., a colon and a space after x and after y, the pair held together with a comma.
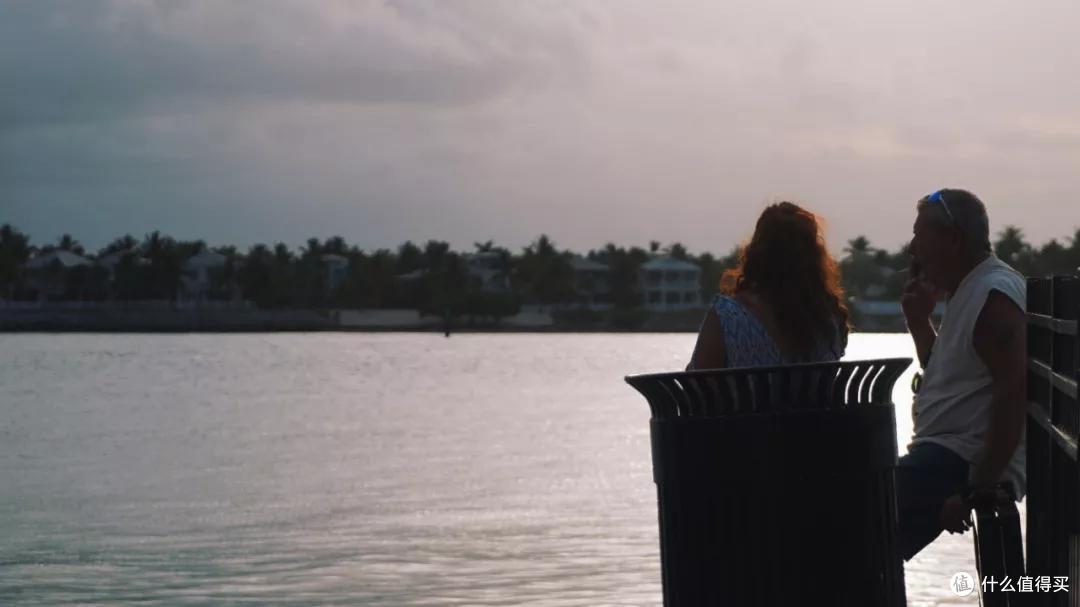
x: 787, y: 265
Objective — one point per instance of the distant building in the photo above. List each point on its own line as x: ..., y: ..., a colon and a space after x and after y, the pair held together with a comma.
x: 870, y: 315
x: 670, y: 284
x: 879, y: 288
x: 591, y: 282
x: 197, y: 280
x: 112, y: 260
x: 337, y: 268
x: 487, y: 269
x: 873, y: 308
x: 46, y: 274
x: 56, y: 258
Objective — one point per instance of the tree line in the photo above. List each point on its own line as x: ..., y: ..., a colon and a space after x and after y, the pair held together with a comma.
x: 433, y: 278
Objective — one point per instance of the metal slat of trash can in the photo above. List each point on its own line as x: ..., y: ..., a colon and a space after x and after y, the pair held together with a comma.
x: 775, y: 484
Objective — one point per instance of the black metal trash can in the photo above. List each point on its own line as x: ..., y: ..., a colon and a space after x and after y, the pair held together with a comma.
x: 775, y: 484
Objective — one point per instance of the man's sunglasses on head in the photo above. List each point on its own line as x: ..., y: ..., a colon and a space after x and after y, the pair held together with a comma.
x: 939, y: 197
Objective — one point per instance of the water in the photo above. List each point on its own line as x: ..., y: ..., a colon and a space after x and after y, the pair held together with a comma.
x: 344, y: 469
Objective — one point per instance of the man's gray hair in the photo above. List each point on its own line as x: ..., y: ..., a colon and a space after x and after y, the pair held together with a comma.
x: 968, y: 216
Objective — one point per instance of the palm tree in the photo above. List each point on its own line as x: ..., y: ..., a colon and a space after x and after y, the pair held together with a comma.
x: 126, y: 242
x: 68, y: 243
x: 435, y: 253
x: 623, y: 266
x: 1074, y: 252
x: 503, y: 265
x: 308, y: 275
x: 14, y: 252
x: 12, y: 239
x: 409, y: 258
x: 711, y: 270
x: 1052, y: 258
x: 283, y: 272
x: 859, y: 268
x: 129, y: 279
x: 224, y: 285
x: 546, y: 272
x: 1010, y: 245
x: 384, y: 290
x: 165, y: 269
x: 335, y: 245
x: 446, y: 282
x: 676, y: 250
x: 282, y: 254
x: 858, y: 246
x: 153, y: 244
x: 256, y: 276
x: 313, y: 248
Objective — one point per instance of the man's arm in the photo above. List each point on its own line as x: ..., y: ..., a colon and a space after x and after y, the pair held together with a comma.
x: 917, y: 302
x: 923, y: 334
x: 1000, y: 340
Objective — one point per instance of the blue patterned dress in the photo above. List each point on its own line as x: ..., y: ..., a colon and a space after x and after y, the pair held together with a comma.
x: 747, y: 344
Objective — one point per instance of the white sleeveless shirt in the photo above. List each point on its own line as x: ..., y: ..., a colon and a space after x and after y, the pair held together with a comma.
x: 952, y: 407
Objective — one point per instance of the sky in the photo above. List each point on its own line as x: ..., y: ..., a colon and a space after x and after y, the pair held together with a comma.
x: 590, y: 121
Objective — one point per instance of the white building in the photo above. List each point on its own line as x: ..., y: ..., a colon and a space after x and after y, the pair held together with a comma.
x: 47, y: 273
x: 487, y: 269
x: 337, y: 267
x: 197, y: 279
x: 65, y: 259
x: 112, y: 260
x: 670, y: 284
x: 591, y: 282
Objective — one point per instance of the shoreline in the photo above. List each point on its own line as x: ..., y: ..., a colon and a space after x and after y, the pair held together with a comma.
x: 161, y: 319
x: 456, y: 331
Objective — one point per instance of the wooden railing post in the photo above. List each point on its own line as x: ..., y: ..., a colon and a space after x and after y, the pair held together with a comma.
x: 1053, y: 471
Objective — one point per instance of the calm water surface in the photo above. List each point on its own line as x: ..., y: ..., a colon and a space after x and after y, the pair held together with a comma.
x: 344, y: 469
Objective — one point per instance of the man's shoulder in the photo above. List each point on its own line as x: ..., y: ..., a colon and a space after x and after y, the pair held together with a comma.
x: 999, y: 268
x: 1002, y: 277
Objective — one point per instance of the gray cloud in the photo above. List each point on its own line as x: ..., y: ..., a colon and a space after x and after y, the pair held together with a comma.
x: 99, y: 60
x: 624, y: 120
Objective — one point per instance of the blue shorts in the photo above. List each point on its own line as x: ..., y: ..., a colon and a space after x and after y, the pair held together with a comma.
x: 926, y: 476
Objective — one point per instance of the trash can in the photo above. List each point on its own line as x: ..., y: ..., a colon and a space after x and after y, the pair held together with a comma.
x: 775, y: 484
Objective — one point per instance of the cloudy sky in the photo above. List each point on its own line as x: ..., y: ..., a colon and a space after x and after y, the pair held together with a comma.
x: 591, y: 121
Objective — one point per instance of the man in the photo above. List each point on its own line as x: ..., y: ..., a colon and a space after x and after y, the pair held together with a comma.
x: 970, y: 408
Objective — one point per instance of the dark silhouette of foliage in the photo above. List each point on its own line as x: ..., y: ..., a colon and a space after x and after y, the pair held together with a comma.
x: 437, y: 280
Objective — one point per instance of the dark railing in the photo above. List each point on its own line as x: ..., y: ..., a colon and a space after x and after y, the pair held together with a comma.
x: 775, y: 484
x: 999, y: 550
x: 1053, y: 474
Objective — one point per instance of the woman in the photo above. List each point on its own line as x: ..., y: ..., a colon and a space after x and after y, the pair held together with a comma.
x: 782, y: 304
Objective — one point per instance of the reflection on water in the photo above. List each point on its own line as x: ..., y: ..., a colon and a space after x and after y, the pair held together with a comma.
x: 389, y: 469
